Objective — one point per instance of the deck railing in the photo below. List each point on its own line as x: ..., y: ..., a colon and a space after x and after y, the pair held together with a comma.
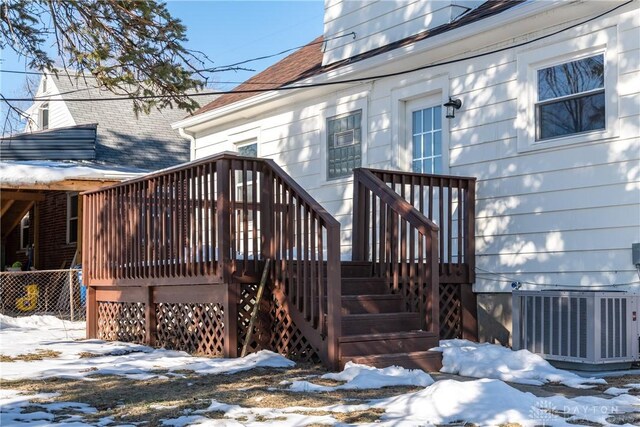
x: 216, y: 220
x: 448, y: 201
x: 418, y: 231
x: 401, y: 243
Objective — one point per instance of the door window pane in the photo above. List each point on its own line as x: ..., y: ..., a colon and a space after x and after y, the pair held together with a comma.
x: 427, y: 140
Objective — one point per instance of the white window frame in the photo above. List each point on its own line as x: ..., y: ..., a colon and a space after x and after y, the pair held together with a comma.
x: 344, y: 105
x: 70, y: 218
x: 529, y: 62
x: 428, y: 92
x: 352, y: 132
x: 24, y: 245
x: 253, y: 141
x: 419, y: 105
x: 41, y: 109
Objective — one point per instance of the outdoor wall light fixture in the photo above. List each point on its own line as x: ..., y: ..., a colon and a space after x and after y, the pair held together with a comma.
x: 452, y: 105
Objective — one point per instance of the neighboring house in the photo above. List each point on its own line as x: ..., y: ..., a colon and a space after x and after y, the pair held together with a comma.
x: 70, y: 146
x: 146, y: 141
x: 549, y: 123
x: 41, y: 174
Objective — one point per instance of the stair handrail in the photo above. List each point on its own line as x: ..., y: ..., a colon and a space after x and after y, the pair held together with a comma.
x: 395, y: 201
x: 368, y: 181
x: 334, y: 280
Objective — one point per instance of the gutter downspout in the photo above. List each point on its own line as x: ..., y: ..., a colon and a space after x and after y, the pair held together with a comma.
x: 192, y: 139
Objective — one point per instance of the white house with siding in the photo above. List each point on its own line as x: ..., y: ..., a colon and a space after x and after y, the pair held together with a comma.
x: 549, y: 125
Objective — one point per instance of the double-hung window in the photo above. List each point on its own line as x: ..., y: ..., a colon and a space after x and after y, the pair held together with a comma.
x: 571, y: 98
x: 568, y: 92
x: 344, y: 144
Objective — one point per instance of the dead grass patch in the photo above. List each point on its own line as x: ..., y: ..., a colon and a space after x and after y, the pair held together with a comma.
x: 129, y: 400
x: 621, y: 382
x: 88, y: 355
x: 39, y: 354
x: 356, y: 417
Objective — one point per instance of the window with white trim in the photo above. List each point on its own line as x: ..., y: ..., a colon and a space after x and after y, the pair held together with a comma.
x: 344, y: 149
x: 571, y: 98
x: 25, y: 227
x: 44, y: 116
x: 72, y: 217
x: 247, y: 149
x: 568, y: 92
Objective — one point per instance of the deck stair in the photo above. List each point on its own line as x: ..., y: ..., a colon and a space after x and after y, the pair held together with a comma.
x: 376, y: 330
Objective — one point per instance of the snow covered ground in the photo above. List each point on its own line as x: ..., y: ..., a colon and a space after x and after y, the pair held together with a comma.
x: 475, y: 360
x: 486, y: 401
x: 85, y: 358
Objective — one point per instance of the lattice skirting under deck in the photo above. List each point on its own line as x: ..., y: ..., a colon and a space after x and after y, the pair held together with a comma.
x: 199, y: 328
x: 121, y: 321
x: 194, y: 328
x: 450, y: 311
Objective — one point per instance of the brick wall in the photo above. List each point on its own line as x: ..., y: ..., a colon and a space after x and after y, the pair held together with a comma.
x: 13, y: 252
x: 54, y: 250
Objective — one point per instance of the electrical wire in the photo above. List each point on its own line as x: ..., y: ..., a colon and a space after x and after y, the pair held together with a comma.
x: 506, y: 279
x: 213, y: 69
x: 340, y: 82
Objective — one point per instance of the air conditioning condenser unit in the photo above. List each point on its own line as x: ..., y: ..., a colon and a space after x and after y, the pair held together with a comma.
x: 588, y: 330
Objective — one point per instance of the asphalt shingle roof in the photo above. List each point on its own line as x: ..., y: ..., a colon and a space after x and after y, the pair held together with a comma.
x: 147, y: 141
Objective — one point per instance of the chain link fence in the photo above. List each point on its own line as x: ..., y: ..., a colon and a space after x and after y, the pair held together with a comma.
x: 55, y: 292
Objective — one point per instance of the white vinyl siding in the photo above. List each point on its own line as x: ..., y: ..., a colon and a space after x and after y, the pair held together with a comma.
x: 58, y: 113
x: 377, y: 23
x: 562, y: 213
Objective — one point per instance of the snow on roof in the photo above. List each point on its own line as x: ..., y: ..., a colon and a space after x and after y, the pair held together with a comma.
x: 28, y: 172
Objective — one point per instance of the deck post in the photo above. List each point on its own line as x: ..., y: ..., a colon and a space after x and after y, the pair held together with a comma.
x: 92, y: 313
x: 266, y: 207
x: 230, y: 306
x: 470, y: 214
x: 433, y: 277
x: 334, y: 297
x: 468, y: 302
x: 468, y: 313
x: 149, y: 318
x: 358, y: 225
x: 223, y: 214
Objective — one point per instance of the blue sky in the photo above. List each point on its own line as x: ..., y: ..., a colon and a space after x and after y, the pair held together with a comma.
x: 227, y: 31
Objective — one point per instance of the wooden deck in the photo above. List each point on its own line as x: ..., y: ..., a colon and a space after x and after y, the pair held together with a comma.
x: 173, y: 259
